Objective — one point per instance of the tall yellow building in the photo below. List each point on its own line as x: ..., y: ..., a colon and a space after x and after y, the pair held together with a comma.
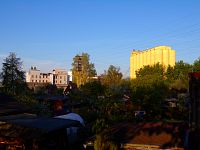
x: 160, y: 54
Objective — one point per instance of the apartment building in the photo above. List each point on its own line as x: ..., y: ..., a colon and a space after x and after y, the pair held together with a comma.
x: 35, y: 76
x: 58, y: 77
x: 164, y: 55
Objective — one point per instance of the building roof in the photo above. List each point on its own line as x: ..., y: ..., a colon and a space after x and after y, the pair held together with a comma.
x: 31, y: 126
x: 159, y: 135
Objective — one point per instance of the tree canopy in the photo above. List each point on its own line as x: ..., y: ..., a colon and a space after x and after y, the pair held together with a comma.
x: 112, y: 76
x: 196, y: 66
x: 12, y: 75
x: 85, y: 71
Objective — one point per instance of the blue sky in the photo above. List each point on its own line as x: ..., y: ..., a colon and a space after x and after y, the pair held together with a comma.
x: 49, y: 33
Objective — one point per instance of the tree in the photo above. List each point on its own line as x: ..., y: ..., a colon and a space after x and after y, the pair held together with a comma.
x: 12, y: 75
x: 180, y: 75
x: 93, y: 89
x: 82, y: 69
x: 181, y: 70
x: 112, y: 77
x: 170, y: 74
x: 156, y: 70
x: 196, y: 65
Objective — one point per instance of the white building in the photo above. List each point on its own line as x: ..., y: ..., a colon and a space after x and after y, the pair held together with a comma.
x: 69, y: 76
x: 35, y: 76
x: 58, y: 77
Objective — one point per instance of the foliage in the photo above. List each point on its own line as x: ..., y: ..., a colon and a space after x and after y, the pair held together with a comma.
x: 99, y: 125
x: 150, y: 89
x: 12, y: 75
x: 177, y: 76
x: 170, y: 74
x: 80, y: 77
x: 93, y: 89
x: 196, y: 66
x: 105, y: 142
x: 156, y: 70
x: 112, y: 77
x: 181, y: 70
x: 149, y: 95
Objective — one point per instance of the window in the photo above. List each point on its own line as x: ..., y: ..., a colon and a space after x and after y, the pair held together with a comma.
x: 40, y: 77
x: 36, y: 76
x: 60, y: 82
x: 32, y: 76
x: 35, y: 80
x: 46, y: 80
x: 32, y: 81
x: 43, y: 81
x: 60, y: 77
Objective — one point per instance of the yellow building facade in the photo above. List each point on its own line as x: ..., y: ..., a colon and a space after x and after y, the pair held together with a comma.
x: 164, y: 55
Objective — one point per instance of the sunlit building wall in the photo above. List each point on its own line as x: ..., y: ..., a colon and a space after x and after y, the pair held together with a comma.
x: 35, y: 76
x: 59, y: 76
x: 164, y: 55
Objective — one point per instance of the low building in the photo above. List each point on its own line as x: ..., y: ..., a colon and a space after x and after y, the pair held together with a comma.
x: 58, y: 77
x: 35, y: 76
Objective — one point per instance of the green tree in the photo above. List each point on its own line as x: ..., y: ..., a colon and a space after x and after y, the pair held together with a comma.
x: 93, y: 89
x: 170, y: 74
x: 83, y: 73
x: 179, y: 78
x: 112, y: 77
x: 156, y: 70
x: 12, y: 75
x: 196, y: 65
x: 150, y: 89
x: 181, y: 70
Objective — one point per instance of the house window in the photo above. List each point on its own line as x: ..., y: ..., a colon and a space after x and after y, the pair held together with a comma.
x: 32, y: 81
x: 60, y: 82
x: 36, y: 76
x: 60, y: 77
x: 35, y: 80
x: 32, y: 76
x: 46, y: 80
x: 39, y: 81
x: 43, y: 81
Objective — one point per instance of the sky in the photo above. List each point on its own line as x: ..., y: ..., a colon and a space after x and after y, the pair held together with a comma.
x: 49, y: 33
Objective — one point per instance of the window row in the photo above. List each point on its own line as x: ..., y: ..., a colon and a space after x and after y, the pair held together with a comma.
x: 39, y: 76
x: 40, y: 81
